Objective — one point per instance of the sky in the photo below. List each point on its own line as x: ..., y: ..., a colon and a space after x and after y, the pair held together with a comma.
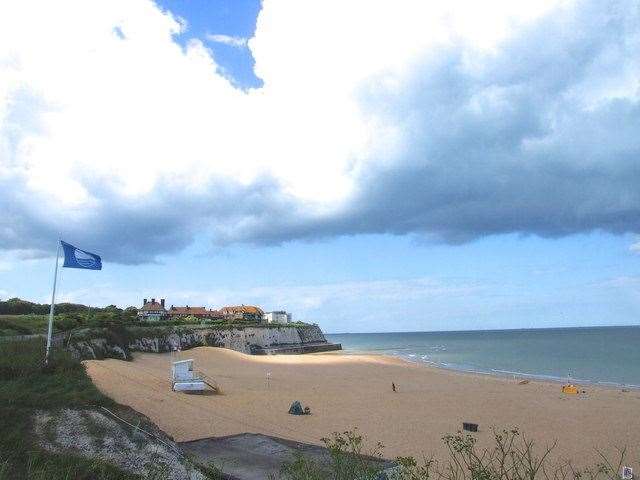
x: 369, y: 166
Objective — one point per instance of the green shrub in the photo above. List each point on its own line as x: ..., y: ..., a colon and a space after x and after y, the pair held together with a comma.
x: 348, y: 461
x: 69, y: 321
x: 14, y: 327
x: 23, y: 324
x: 21, y: 358
x: 26, y: 382
x: 511, y: 457
x: 17, y: 306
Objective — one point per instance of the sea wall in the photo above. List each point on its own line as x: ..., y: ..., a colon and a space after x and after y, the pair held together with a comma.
x: 250, y: 340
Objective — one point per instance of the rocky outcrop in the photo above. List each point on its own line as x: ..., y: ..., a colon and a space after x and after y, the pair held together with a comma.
x: 250, y: 340
x: 97, y: 349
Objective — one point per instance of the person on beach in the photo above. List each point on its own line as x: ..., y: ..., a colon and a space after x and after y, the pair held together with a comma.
x: 393, y: 386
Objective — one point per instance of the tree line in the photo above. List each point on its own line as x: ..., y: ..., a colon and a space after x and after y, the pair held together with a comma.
x: 17, y: 306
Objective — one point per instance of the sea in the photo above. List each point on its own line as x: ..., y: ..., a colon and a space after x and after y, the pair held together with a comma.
x: 609, y: 356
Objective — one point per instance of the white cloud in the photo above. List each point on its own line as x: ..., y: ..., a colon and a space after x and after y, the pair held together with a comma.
x: 635, y: 248
x: 135, y: 108
x: 101, y: 110
x: 20, y: 258
x: 232, y: 41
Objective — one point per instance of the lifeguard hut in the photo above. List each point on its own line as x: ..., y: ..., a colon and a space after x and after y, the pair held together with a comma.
x: 184, y: 379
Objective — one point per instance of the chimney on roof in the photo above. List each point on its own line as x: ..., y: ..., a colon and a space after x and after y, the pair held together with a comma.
x: 153, y: 300
x: 144, y: 302
x: 162, y: 302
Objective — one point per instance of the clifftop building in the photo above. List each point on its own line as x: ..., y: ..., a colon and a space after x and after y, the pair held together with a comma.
x: 198, y: 312
x: 242, y: 312
x: 278, y: 316
x: 152, y: 311
x: 155, y: 311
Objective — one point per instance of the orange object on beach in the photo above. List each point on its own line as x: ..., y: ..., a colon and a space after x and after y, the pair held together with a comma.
x: 570, y: 388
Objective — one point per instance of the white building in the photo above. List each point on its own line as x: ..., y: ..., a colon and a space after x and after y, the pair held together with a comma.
x: 279, y: 316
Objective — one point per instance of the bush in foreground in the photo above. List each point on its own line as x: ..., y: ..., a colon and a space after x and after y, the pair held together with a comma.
x: 347, y: 461
x: 512, y: 457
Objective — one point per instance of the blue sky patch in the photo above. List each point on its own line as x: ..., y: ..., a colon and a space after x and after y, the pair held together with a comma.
x: 234, y: 19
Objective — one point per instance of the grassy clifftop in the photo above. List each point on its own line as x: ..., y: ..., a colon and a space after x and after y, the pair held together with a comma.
x: 54, y: 425
x: 26, y: 388
x: 29, y: 324
x: 11, y: 325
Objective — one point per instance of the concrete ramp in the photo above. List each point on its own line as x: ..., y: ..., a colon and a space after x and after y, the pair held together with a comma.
x: 250, y: 456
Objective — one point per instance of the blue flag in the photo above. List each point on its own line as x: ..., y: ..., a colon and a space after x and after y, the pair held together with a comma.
x: 76, y: 258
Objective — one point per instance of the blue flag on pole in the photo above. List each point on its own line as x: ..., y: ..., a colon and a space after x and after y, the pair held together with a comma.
x: 76, y: 258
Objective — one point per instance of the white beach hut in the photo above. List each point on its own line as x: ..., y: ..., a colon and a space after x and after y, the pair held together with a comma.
x: 183, y: 378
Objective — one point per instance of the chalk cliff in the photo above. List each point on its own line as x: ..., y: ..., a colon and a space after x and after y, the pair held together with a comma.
x: 250, y: 340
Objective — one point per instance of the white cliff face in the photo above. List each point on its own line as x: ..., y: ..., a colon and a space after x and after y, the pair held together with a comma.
x: 240, y: 339
x: 248, y: 340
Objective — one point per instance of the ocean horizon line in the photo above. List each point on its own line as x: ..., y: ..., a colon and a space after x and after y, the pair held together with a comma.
x: 519, y: 329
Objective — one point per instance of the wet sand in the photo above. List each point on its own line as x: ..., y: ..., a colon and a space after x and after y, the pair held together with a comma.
x: 347, y: 391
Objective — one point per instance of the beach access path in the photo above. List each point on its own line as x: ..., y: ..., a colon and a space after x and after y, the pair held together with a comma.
x: 347, y: 391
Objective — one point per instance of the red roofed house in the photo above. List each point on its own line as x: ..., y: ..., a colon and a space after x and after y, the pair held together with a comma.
x: 152, y: 310
x: 198, y: 312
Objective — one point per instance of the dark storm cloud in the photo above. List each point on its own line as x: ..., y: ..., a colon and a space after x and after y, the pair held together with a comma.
x: 508, y: 147
x: 528, y: 139
x: 134, y: 232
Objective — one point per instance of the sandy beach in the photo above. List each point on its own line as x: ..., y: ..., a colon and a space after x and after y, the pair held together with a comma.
x: 347, y: 391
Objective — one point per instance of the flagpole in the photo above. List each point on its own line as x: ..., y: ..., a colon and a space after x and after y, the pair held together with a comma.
x: 53, y: 302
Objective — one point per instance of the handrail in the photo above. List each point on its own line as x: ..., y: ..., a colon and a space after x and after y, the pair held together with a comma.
x: 207, y: 379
